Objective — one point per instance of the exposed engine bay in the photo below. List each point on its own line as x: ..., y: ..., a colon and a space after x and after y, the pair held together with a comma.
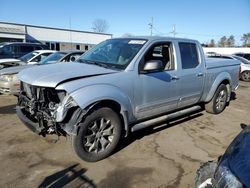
x: 48, y: 108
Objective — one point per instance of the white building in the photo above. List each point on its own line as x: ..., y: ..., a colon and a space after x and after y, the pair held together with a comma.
x: 54, y: 38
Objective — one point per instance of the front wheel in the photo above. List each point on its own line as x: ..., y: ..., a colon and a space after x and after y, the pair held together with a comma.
x: 219, y: 100
x: 98, y: 135
x: 245, y: 76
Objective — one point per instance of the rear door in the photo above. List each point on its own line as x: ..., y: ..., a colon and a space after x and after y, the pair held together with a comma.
x: 191, y: 74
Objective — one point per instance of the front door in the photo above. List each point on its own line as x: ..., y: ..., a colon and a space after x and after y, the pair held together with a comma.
x: 157, y: 92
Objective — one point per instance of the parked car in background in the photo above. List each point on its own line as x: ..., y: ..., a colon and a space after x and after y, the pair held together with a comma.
x: 245, y: 55
x: 244, y: 66
x: 30, y: 58
x: 18, y: 49
x: 120, y: 86
x: 231, y: 170
x: 62, y: 56
x: 9, y: 83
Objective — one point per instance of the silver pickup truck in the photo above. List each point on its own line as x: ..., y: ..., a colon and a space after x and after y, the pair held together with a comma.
x: 120, y: 86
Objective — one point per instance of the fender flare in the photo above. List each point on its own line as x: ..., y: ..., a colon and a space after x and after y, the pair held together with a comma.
x: 223, y: 76
x: 87, y: 96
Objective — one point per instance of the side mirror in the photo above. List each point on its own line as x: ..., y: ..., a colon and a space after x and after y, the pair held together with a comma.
x: 152, y: 66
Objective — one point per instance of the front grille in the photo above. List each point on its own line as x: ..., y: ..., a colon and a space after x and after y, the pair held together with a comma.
x: 41, y: 93
x: 39, y: 104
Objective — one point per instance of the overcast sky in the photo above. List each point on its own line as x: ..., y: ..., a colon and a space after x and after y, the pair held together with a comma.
x: 197, y: 19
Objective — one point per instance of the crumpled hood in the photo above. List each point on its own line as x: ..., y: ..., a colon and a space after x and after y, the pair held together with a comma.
x: 54, y: 74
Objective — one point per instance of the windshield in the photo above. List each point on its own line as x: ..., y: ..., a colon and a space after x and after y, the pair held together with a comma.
x: 113, y: 53
x: 242, y: 59
x: 28, y: 56
x: 53, y: 58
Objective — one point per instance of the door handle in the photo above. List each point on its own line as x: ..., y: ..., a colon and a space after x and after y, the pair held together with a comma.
x: 199, y: 74
x: 175, y: 78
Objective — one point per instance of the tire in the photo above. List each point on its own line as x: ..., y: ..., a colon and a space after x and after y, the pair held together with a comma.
x: 219, y: 100
x: 205, y: 172
x: 245, y: 76
x: 98, y: 135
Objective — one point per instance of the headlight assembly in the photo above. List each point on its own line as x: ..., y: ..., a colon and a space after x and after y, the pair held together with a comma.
x: 8, y: 77
x: 61, y: 111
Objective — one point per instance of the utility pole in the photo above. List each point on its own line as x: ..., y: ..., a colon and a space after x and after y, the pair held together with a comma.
x: 151, y: 26
x: 174, y: 31
x: 70, y: 33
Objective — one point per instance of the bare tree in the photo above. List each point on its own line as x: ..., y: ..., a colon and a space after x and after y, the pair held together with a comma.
x: 246, y: 40
x: 100, y: 26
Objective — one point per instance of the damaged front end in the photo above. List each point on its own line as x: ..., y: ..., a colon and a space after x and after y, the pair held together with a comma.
x: 48, y: 111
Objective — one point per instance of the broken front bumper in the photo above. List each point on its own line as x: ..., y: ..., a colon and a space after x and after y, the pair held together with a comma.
x: 33, y: 126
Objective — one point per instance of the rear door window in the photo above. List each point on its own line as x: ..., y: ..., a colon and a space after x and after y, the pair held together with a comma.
x: 189, y: 55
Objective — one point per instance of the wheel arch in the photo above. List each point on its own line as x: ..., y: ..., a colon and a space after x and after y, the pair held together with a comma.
x: 105, y: 96
x: 114, y: 105
x: 223, y: 78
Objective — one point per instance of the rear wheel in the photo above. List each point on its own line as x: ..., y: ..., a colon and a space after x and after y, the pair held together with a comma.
x: 245, y: 76
x: 98, y: 135
x: 219, y: 100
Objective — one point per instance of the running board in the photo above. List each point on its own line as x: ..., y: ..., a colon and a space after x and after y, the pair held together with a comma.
x: 163, y: 118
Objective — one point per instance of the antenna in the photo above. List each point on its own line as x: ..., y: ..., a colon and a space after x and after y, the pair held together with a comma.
x: 151, y: 26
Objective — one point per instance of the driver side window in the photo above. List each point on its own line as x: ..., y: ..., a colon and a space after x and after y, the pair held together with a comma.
x: 160, y: 52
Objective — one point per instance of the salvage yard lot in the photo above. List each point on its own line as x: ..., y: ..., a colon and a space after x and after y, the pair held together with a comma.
x: 166, y: 156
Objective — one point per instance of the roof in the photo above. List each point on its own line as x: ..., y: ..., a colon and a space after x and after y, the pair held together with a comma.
x: 32, y: 43
x: 155, y: 38
x: 45, y: 27
x: 44, y: 51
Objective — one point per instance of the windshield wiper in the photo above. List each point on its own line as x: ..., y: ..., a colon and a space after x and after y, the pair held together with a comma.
x: 94, y: 63
x: 108, y: 66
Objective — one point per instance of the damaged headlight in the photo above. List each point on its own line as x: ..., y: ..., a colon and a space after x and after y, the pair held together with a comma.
x: 62, y: 108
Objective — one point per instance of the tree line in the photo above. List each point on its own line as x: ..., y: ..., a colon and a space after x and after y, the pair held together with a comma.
x: 229, y: 41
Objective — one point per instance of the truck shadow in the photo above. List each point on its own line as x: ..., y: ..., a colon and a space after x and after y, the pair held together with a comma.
x: 10, y: 109
x: 156, y: 128
x: 72, y: 176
